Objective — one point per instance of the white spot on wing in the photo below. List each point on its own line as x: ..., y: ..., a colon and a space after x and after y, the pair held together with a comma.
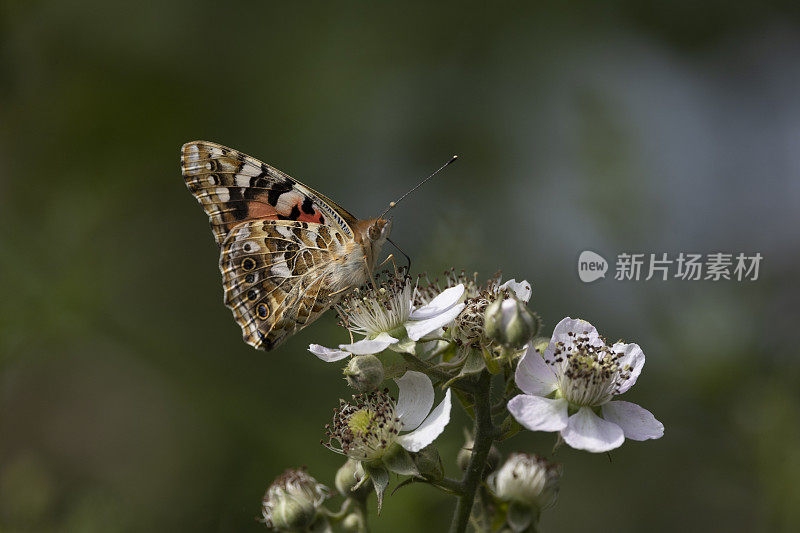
x: 288, y: 200
x: 281, y: 269
x: 242, y: 180
x: 250, y: 170
x: 223, y: 194
x: 285, y: 232
x: 194, y: 154
x: 251, y: 246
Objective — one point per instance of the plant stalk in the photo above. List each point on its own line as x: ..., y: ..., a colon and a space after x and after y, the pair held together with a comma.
x: 484, y: 437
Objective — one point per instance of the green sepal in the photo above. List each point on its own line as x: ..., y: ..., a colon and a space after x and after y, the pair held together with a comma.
x: 429, y: 463
x: 427, y: 350
x: 520, y: 516
x: 320, y: 525
x: 493, y: 364
x: 380, y: 480
x: 508, y: 428
x: 405, y: 345
x: 466, y: 401
x: 399, y: 461
x: 473, y: 364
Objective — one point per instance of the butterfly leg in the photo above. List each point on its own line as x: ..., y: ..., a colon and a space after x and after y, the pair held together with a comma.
x: 370, y: 275
x: 340, y: 291
x: 390, y: 258
x: 396, y: 268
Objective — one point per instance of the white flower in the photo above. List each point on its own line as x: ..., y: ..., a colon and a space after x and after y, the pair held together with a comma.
x: 526, y: 479
x: 292, y: 500
x: 387, y: 315
x: 367, y: 428
x: 577, y: 378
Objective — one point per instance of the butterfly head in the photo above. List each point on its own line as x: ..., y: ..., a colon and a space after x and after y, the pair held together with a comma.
x: 379, y: 230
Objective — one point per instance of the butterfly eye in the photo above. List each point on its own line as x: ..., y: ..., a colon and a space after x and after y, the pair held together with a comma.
x: 248, y: 264
x: 376, y: 229
x: 262, y: 311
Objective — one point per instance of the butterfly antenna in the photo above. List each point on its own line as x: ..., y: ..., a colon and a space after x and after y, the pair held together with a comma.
x: 420, y: 184
x: 408, y: 259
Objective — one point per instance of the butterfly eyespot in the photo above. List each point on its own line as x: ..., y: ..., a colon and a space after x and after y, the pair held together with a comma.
x: 250, y: 278
x: 262, y: 311
x: 252, y: 294
x: 247, y: 247
x: 248, y: 264
x: 212, y: 179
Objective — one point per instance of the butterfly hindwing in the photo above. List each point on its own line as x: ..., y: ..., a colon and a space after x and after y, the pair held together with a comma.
x: 233, y: 187
x: 275, y: 275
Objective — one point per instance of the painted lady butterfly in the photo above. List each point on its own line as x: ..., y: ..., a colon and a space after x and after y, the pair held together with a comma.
x: 287, y: 251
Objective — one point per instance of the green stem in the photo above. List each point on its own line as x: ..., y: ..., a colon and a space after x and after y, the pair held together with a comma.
x: 360, y: 508
x: 415, y: 363
x: 451, y: 485
x: 484, y: 436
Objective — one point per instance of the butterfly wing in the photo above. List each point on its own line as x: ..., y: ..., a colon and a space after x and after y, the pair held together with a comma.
x: 233, y: 187
x: 277, y: 276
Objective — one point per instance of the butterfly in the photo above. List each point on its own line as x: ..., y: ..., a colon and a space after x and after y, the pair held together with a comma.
x: 287, y: 252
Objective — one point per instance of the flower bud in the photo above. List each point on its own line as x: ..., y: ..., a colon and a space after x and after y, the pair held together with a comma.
x: 353, y: 523
x: 528, y: 480
x: 364, y: 373
x: 510, y: 323
x: 291, y: 502
x: 348, y: 476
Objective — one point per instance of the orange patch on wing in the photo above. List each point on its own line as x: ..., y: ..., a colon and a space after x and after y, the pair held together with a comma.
x: 315, y: 218
x: 261, y: 210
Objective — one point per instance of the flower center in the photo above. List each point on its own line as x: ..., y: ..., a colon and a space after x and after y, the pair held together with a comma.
x: 365, y: 429
x: 373, y: 311
x: 589, y: 373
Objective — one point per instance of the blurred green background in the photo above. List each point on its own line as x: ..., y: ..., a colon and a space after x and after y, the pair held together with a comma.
x: 128, y: 401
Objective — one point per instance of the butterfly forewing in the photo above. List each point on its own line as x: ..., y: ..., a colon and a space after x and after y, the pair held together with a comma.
x: 233, y: 187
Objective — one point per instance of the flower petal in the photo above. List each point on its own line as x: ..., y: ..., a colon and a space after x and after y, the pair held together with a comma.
x: 419, y: 328
x: 533, y: 375
x: 444, y: 301
x: 634, y: 357
x: 587, y: 431
x: 561, y: 334
x: 539, y: 414
x: 431, y: 428
x: 369, y: 346
x: 415, y: 399
x: 328, y: 355
x: 522, y: 289
x: 636, y: 422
